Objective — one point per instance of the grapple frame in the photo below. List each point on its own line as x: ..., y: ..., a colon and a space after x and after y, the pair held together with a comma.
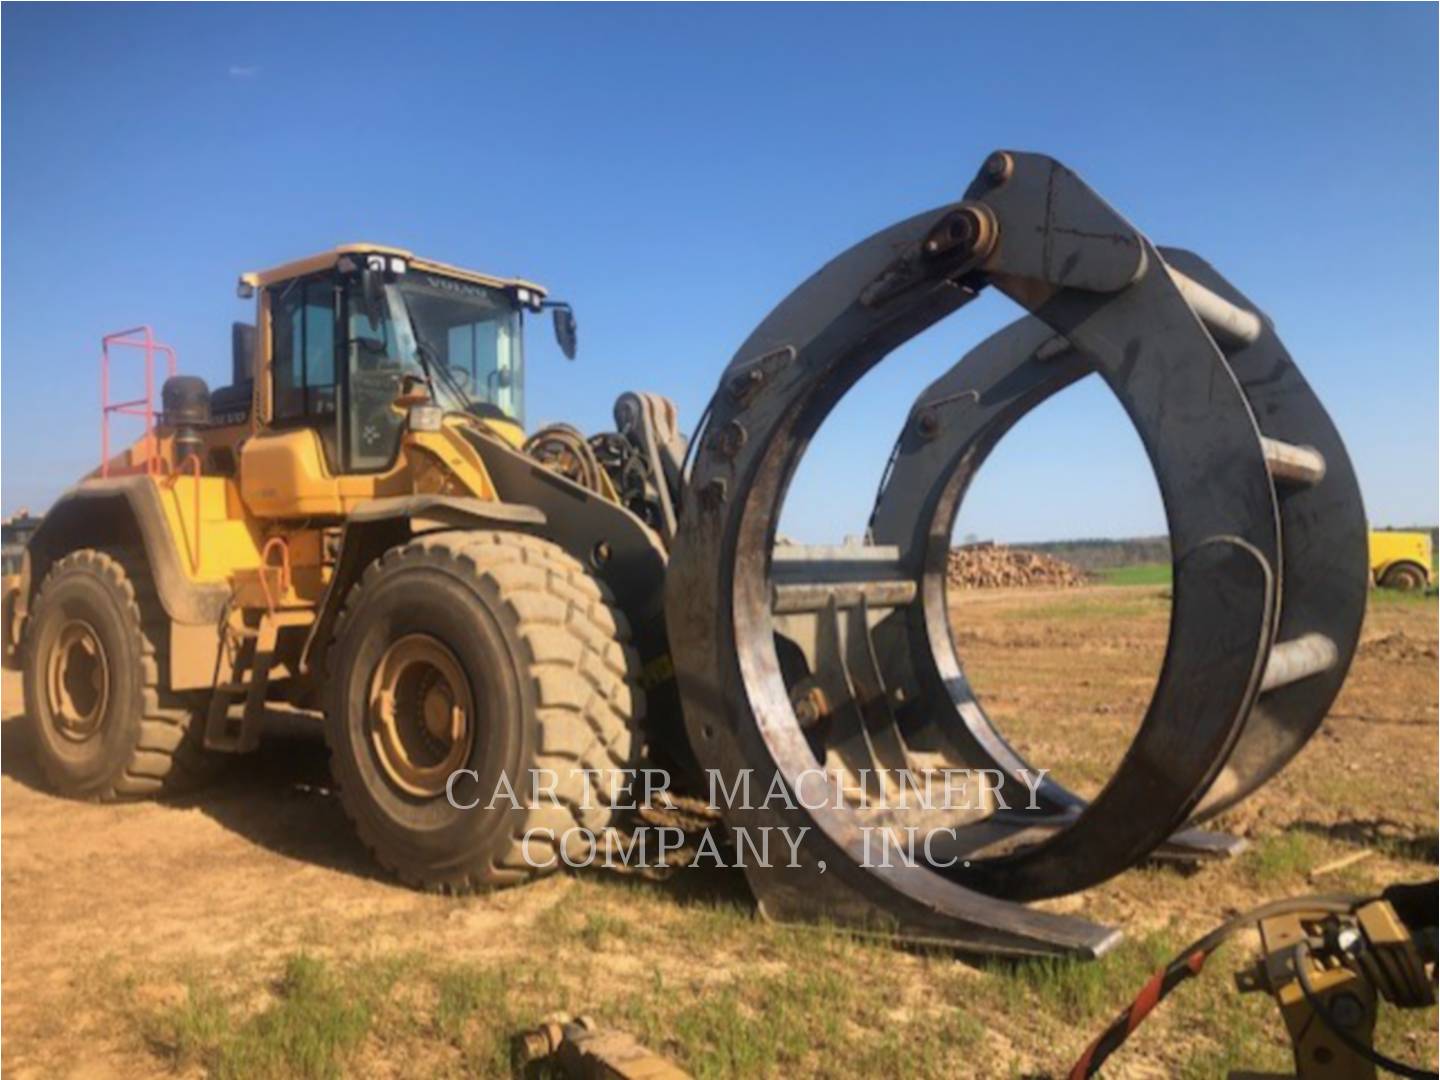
x: 1264, y: 514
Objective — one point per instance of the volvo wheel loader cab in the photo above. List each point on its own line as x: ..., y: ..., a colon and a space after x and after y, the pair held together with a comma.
x: 352, y: 527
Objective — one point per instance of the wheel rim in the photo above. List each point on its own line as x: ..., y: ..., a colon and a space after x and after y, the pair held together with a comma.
x: 77, y: 681
x: 421, y: 715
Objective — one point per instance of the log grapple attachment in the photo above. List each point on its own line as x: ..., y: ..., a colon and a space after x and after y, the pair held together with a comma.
x: 832, y: 671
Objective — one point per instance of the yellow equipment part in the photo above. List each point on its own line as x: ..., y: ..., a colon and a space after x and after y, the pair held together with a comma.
x: 1401, y: 559
x: 1345, y: 967
x: 1318, y: 1051
x: 213, y: 534
x: 284, y: 474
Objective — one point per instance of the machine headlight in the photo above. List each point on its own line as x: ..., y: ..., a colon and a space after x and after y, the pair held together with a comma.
x: 426, y: 417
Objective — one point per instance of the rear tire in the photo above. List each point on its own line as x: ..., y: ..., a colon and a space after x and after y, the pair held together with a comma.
x: 1406, y: 577
x: 93, y: 703
x: 494, y: 652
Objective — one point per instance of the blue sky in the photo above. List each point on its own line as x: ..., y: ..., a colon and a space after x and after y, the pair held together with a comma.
x: 675, y: 171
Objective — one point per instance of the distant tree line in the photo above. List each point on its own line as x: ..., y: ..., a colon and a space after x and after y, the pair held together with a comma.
x: 1107, y: 553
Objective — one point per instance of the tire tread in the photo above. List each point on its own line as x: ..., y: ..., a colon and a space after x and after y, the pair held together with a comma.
x: 581, y: 665
x: 167, y: 755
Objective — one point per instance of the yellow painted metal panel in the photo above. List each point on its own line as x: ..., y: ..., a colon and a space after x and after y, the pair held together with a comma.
x: 283, y: 475
x: 508, y: 430
x: 215, y: 545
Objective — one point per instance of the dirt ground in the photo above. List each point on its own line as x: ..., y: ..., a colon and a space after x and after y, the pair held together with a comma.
x: 244, y: 930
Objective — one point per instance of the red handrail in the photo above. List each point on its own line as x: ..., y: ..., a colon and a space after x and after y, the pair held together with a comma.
x: 142, y: 338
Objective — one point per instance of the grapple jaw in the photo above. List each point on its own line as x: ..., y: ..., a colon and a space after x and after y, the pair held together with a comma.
x: 838, y: 662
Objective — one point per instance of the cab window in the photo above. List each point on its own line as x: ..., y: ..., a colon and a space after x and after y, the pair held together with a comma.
x: 379, y: 365
x: 302, y: 317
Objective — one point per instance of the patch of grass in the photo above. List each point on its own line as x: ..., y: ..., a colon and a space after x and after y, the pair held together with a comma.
x: 308, y: 1030
x: 600, y: 926
x: 197, y: 1026
x: 466, y: 994
x: 762, y: 1024
x: 464, y: 991
x: 1243, y: 1032
x: 1140, y: 574
x: 935, y: 1047
x: 714, y: 924
x: 932, y: 1046
x: 1085, y: 991
x: 555, y: 921
x: 882, y: 1056
x: 762, y: 1027
x: 1280, y: 858
x: 1402, y: 598
x: 313, y: 1023
x: 723, y: 1035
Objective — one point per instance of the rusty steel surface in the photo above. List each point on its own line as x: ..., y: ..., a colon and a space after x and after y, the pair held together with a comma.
x: 579, y: 1049
x: 1263, y: 512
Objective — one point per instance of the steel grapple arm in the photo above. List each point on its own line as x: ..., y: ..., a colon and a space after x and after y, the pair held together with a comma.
x: 793, y: 661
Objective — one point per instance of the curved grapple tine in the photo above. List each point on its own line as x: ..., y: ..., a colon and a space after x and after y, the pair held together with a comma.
x: 1031, y: 228
x: 955, y: 423
x: 1324, y: 541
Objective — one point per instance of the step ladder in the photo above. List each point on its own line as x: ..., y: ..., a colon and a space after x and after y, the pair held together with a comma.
x: 254, y: 662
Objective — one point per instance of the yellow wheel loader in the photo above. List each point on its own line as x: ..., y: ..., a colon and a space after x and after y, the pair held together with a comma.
x: 498, y: 629
x: 353, y: 526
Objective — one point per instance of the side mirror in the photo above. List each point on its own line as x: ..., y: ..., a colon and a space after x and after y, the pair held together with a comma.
x: 566, y: 331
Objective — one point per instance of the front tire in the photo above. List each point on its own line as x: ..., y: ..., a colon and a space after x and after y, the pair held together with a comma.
x: 1405, y: 576
x: 491, y: 652
x: 93, y: 706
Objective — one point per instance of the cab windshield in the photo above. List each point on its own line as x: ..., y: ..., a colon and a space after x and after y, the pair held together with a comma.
x: 460, y: 339
x: 470, y: 333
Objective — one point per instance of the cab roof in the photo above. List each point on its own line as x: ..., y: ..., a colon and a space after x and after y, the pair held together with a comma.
x: 327, y: 259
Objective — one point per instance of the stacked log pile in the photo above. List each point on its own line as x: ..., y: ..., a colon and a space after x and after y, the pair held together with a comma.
x: 994, y: 566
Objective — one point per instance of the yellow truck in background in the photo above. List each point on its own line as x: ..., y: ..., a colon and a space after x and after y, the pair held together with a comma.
x: 1400, y: 560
